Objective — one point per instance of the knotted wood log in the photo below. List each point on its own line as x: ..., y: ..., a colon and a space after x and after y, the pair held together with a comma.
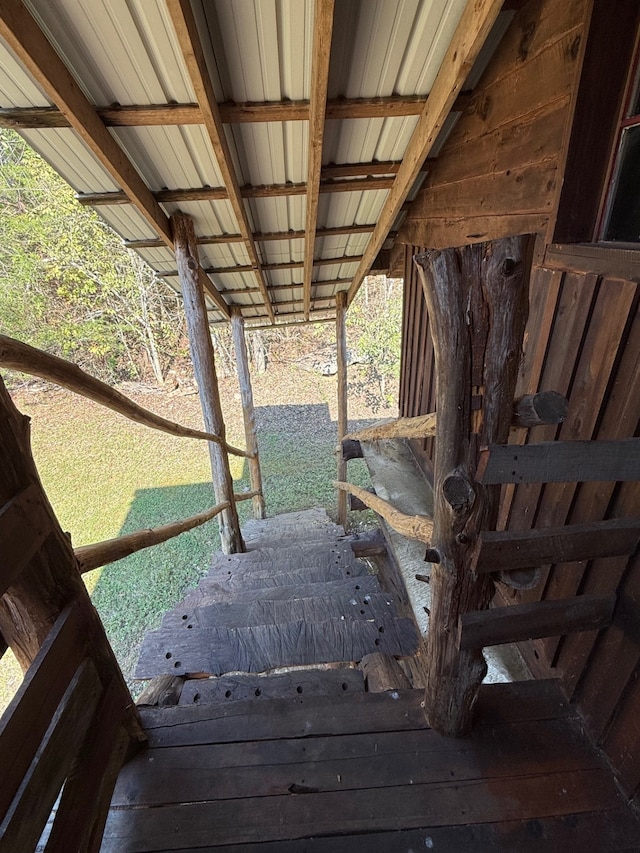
x: 418, y: 527
x: 477, y: 299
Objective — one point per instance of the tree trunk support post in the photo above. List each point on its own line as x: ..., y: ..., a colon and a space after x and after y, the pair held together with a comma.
x: 477, y: 299
x: 248, y: 411
x: 341, y: 347
x: 189, y: 272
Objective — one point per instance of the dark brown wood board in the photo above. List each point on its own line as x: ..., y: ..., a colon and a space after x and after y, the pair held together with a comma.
x: 307, y: 682
x: 256, y: 649
x: 514, y: 549
x: 561, y: 462
x: 367, y: 584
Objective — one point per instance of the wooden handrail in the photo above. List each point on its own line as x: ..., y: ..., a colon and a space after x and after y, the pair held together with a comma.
x: 27, y: 359
x: 418, y: 527
x: 419, y: 427
x: 101, y: 553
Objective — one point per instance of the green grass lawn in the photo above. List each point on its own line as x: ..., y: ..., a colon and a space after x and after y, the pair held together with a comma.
x: 105, y: 476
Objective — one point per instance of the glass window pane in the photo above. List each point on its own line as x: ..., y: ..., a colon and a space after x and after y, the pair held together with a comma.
x: 624, y: 218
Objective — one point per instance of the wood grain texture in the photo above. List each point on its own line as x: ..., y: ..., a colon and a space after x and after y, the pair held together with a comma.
x: 539, y: 619
x: 24, y: 525
x: 412, y: 526
x: 343, y: 417
x: 561, y: 462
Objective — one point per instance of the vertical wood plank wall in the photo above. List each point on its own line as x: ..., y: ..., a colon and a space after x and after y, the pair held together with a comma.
x: 583, y: 340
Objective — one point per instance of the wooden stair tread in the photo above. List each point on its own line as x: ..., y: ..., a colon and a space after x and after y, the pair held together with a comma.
x: 242, y: 581
x: 309, y: 609
x: 263, y: 647
x: 202, y: 595
x: 299, y: 682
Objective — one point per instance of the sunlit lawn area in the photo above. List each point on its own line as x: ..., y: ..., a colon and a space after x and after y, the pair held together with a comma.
x: 105, y: 475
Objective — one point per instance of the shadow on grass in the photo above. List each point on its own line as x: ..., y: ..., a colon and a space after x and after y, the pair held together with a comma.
x: 297, y: 456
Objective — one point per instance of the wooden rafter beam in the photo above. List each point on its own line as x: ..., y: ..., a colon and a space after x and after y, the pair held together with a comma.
x: 288, y: 265
x: 187, y: 32
x: 23, y: 35
x: 159, y: 115
x: 258, y: 236
x: 321, y: 54
x: 221, y: 194
x: 471, y: 33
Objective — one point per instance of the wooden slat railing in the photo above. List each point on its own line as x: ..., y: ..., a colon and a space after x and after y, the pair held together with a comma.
x: 16, y: 355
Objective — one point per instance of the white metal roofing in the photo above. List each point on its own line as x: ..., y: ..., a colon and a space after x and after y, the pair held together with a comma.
x: 125, y: 52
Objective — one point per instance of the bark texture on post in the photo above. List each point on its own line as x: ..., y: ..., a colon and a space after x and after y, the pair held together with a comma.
x: 189, y: 272
x: 341, y: 347
x: 477, y: 299
x: 248, y: 412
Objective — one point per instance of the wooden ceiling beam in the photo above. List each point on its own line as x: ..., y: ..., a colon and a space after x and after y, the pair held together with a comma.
x: 288, y: 265
x: 32, y: 48
x: 258, y: 236
x: 321, y: 55
x: 220, y: 193
x: 189, y: 40
x: 471, y: 33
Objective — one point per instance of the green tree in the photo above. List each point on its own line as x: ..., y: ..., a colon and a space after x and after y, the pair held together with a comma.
x: 68, y: 285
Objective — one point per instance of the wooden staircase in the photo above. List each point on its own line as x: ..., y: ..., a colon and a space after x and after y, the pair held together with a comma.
x: 297, y: 598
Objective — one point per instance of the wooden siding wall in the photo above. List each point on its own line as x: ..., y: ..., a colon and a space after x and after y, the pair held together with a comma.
x: 583, y: 340
x: 499, y: 171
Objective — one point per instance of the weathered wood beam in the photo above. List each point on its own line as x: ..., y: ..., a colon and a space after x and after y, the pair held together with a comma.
x: 383, y: 672
x: 215, y: 295
x: 477, y: 299
x: 90, y: 557
x: 288, y: 265
x: 258, y: 236
x: 418, y: 527
x: 350, y: 448
x: 248, y: 411
x: 519, y: 622
x: 359, y: 170
x: 247, y: 191
x: 369, y: 544
x: 561, y: 462
x: 471, y: 33
x: 162, y: 691
x: 18, y: 356
x: 25, y: 38
x: 320, y: 55
x: 202, y: 356
x: 341, y: 352
x: 189, y: 39
x: 545, y: 407
x: 505, y: 550
x: 24, y: 525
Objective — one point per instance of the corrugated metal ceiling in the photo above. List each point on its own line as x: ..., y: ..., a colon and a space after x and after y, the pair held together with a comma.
x: 126, y: 53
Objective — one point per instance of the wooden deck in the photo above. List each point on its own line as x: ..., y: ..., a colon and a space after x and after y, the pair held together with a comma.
x: 362, y: 771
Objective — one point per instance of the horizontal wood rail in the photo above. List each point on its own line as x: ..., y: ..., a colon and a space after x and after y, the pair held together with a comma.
x: 507, y: 550
x: 561, y: 462
x: 545, y: 407
x: 519, y: 622
x: 101, y: 553
x: 16, y: 355
x: 418, y: 527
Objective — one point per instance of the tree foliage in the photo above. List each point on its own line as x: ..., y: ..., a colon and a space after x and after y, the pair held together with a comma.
x: 68, y: 285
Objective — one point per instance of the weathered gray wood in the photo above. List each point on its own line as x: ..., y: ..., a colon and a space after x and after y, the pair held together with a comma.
x: 341, y: 349
x: 561, y: 462
x: 287, y: 557
x: 202, y: 595
x: 312, y: 609
x: 520, y: 622
x: 545, y: 407
x: 412, y: 526
x: 241, y: 581
x: 201, y: 348
x: 383, y: 672
x: 248, y: 412
x: 477, y: 299
x: 505, y: 550
x: 263, y: 647
x: 298, y: 682
x: 369, y: 544
x: 27, y: 816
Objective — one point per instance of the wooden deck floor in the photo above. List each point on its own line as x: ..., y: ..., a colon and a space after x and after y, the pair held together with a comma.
x: 362, y: 772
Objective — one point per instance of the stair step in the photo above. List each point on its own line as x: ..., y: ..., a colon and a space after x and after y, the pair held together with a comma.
x: 351, y: 586
x: 287, y: 557
x: 307, y: 682
x: 256, y: 649
x: 241, y: 614
x: 243, y: 581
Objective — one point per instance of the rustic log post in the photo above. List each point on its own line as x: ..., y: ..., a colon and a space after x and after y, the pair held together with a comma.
x: 248, y: 412
x: 201, y: 348
x: 477, y: 299
x: 48, y: 580
x: 341, y: 346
